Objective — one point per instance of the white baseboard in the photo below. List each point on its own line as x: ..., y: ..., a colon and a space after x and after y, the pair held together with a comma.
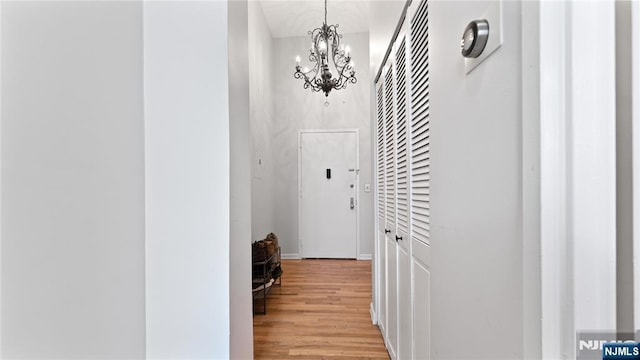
x: 297, y: 257
x: 372, y: 311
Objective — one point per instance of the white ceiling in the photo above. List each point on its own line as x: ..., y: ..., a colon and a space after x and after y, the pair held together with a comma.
x: 296, y: 17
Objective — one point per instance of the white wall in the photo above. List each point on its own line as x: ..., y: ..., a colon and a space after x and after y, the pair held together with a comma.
x: 261, y: 76
x: 383, y: 19
x: 115, y: 168
x: 187, y: 179
x: 72, y: 180
x: 476, y: 183
x: 297, y: 108
x: 531, y: 210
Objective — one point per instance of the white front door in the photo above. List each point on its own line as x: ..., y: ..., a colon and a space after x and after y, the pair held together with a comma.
x: 328, y: 194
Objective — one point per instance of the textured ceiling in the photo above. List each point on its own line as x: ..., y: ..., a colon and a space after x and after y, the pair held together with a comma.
x: 296, y: 17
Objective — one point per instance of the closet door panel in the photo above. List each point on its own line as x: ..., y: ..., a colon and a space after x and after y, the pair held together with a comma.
x: 421, y: 301
x: 391, y: 330
x: 381, y: 242
x: 402, y: 150
x: 391, y: 338
x: 402, y: 197
x: 420, y: 135
x: 420, y: 170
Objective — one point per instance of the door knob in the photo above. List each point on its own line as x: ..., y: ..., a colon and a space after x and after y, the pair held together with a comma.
x: 352, y: 203
x: 398, y: 237
x: 387, y: 231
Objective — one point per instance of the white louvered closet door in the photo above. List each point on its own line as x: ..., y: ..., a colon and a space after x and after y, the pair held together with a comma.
x: 403, y: 170
x: 381, y: 208
x: 390, y: 197
x: 402, y: 115
x: 420, y: 171
x: 403, y: 240
x: 420, y: 156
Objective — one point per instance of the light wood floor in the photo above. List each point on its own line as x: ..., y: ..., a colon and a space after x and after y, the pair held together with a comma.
x: 321, y: 310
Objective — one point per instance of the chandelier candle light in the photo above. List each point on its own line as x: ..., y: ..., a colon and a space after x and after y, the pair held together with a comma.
x: 325, y: 45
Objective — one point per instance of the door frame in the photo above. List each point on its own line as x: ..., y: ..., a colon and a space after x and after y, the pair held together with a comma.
x: 575, y: 245
x: 635, y: 91
x: 357, y: 183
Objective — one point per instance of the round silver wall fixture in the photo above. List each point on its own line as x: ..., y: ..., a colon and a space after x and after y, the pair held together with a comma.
x: 474, y: 38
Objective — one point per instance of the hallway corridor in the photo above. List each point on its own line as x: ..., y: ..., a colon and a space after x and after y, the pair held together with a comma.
x: 321, y: 310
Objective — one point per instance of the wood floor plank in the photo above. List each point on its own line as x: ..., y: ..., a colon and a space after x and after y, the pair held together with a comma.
x: 321, y: 311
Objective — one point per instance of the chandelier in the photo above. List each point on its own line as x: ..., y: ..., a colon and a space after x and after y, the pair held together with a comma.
x: 325, y: 50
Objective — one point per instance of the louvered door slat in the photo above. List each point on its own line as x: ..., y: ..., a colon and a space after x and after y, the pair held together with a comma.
x: 402, y: 143
x: 380, y: 163
x: 423, y: 176
x: 390, y: 151
x: 418, y: 129
x: 421, y: 231
x: 422, y: 95
x: 421, y: 157
x: 422, y: 111
x: 421, y: 57
x: 421, y: 140
x: 420, y: 42
x: 419, y: 21
x: 420, y: 149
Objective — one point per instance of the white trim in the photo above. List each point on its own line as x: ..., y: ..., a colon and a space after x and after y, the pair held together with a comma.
x: 372, y: 312
x: 376, y: 222
x: 578, y: 269
x: 299, y: 242
x: 556, y: 290
x: 0, y: 180
x: 591, y: 164
x: 366, y: 257
x: 290, y: 256
x: 375, y: 283
x: 357, y: 186
x: 635, y: 96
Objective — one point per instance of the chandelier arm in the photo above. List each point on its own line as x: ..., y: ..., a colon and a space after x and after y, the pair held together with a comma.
x: 307, y: 83
x: 313, y: 57
x: 312, y: 86
x: 338, y: 58
x: 316, y: 68
x: 340, y: 63
x: 342, y: 76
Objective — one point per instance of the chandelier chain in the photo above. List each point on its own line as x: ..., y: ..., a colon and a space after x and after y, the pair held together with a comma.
x: 325, y: 11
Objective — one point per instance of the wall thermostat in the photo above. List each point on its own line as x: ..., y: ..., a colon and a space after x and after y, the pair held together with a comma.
x: 474, y: 38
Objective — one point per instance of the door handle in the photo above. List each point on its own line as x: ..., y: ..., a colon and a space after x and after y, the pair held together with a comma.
x: 387, y: 231
x: 398, y: 237
x: 352, y: 203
